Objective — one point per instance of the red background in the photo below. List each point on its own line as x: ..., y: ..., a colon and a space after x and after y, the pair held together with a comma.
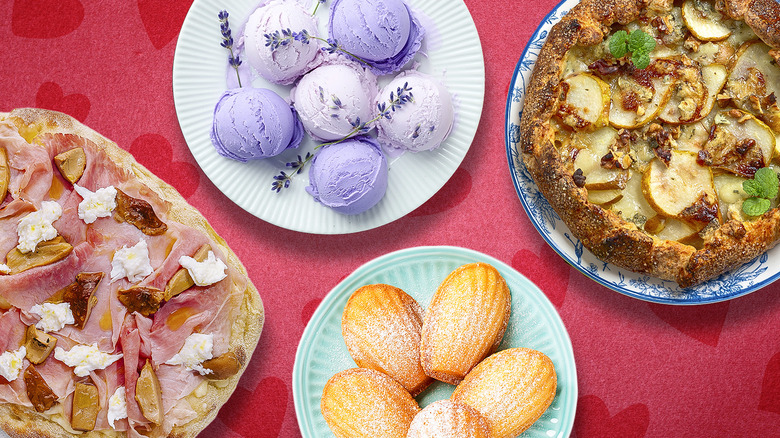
x: 644, y: 370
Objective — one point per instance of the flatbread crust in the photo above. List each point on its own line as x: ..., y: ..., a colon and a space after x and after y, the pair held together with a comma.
x: 23, y: 422
x: 603, y: 232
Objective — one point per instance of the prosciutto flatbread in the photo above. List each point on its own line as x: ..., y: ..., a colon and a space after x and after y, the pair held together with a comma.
x: 103, y: 331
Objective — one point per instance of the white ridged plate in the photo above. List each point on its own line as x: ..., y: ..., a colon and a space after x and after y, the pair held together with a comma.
x: 451, y: 51
x: 534, y: 323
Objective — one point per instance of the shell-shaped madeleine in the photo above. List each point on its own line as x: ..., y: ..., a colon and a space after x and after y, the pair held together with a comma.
x: 511, y: 389
x: 363, y: 403
x: 449, y: 419
x: 465, y: 321
x: 381, y: 326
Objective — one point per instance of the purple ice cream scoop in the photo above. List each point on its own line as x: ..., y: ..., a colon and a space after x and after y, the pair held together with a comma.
x: 350, y: 177
x: 254, y: 123
x: 284, y: 64
x: 383, y: 33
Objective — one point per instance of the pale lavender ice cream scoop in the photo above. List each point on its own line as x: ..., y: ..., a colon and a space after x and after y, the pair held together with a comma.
x: 350, y: 177
x: 287, y: 63
x: 420, y: 124
x: 332, y: 99
x: 384, y: 33
x: 254, y: 123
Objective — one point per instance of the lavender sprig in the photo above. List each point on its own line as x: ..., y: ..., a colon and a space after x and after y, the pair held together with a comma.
x: 227, y: 42
x: 281, y: 38
x: 282, y: 180
x: 319, y: 2
x: 398, y: 99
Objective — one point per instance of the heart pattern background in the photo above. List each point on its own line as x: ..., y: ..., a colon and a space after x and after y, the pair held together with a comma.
x: 46, y: 18
x: 51, y: 96
x: 155, y: 153
x: 548, y: 271
x: 712, y: 370
x: 162, y: 19
x: 594, y: 420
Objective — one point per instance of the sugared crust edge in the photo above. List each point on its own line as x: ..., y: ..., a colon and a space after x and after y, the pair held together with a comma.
x: 22, y: 422
x: 604, y: 233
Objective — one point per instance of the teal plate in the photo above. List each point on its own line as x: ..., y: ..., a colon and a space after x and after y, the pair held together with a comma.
x: 534, y: 323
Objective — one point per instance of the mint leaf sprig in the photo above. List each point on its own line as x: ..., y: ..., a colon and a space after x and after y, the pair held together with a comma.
x: 762, y: 189
x: 638, y: 43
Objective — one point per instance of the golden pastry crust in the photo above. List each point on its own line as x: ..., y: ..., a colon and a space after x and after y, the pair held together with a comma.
x: 602, y: 231
x: 381, y: 326
x: 22, y: 422
x: 363, y: 403
x: 465, y: 321
x: 511, y: 389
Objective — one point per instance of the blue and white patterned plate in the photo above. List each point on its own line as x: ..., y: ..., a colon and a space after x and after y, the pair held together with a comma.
x: 747, y: 278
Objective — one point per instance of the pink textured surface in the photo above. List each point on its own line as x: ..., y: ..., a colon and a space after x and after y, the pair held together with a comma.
x: 644, y: 370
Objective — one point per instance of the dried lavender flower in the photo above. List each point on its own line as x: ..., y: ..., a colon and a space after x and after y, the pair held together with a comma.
x: 280, y: 38
x: 227, y: 42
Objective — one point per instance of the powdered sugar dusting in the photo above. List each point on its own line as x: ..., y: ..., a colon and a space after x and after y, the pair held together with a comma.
x: 465, y: 322
x: 448, y: 419
x: 381, y: 328
x: 511, y: 388
x: 363, y: 402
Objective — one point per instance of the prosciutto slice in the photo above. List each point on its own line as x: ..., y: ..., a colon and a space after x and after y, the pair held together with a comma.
x: 9, y: 220
x: 130, y: 340
x: 31, y: 168
x: 12, y: 330
x: 36, y: 285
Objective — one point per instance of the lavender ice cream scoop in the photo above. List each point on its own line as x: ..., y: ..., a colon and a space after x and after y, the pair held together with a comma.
x: 254, y: 123
x: 332, y: 99
x: 424, y: 122
x: 350, y: 177
x: 383, y: 33
x: 285, y: 64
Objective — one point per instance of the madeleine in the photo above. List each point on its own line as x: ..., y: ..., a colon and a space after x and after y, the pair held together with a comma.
x: 381, y: 326
x: 465, y: 321
x: 363, y: 403
x: 511, y: 389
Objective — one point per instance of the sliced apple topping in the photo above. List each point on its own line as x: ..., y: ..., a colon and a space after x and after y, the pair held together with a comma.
x: 584, y: 102
x: 714, y: 76
x: 695, y: 93
x: 681, y: 189
x: 704, y: 22
x: 754, y: 83
x: 604, y: 197
x: 595, y: 146
x: 683, y: 232
x: 632, y: 205
x: 639, y: 97
x: 719, y: 52
x: 688, y: 97
x: 739, y: 143
x: 693, y: 136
